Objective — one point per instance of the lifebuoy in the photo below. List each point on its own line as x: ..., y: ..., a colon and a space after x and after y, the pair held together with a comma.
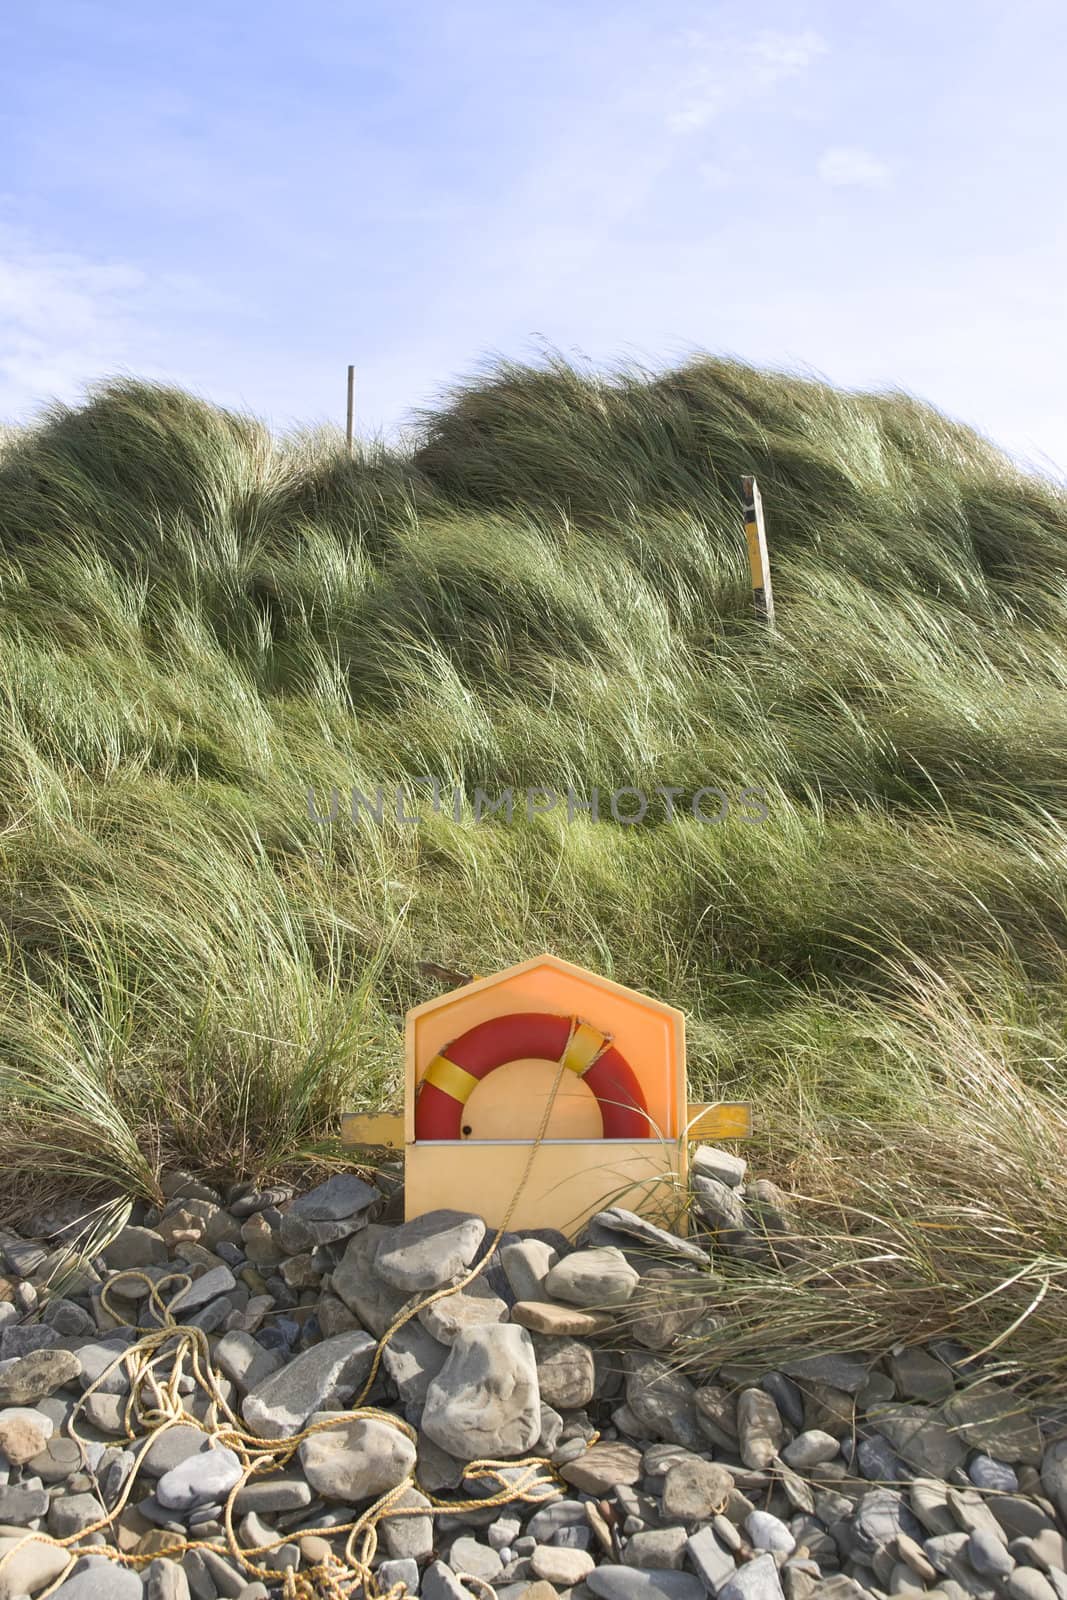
x: 452, y: 1076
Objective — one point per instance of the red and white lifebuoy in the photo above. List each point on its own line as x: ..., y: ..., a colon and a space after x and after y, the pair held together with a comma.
x: 454, y: 1074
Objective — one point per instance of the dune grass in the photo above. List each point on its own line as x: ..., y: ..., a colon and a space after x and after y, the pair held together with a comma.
x: 199, y: 622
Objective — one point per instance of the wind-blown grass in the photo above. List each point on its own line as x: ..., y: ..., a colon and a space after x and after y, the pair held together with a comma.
x: 198, y: 622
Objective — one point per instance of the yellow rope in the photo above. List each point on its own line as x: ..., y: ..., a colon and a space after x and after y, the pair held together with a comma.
x: 336, y: 1578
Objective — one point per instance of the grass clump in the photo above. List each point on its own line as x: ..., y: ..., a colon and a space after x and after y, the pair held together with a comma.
x: 200, y: 622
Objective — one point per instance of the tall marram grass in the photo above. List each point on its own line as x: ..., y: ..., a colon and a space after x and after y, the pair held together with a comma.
x: 200, y: 622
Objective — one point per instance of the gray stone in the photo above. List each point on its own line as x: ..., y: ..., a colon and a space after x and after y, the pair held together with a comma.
x: 164, y: 1580
x: 708, y: 1161
x: 339, y: 1198
x: 757, y: 1580
x: 662, y: 1399
x: 22, y: 1506
x: 995, y: 1420
x: 408, y: 1538
x: 593, y: 1278
x: 881, y: 1517
x: 106, y: 1581
x: 558, y: 1565
x: 245, y: 1361
x: 465, y: 1309
x: 616, y: 1221
x: 985, y: 1472
x: 632, y: 1583
x: 355, y: 1281
x: 845, y: 1372
x: 31, y: 1378
x: 1026, y: 1583
x: 768, y: 1532
x: 656, y: 1549
x: 68, y: 1318
x: 202, y: 1291
x: 439, y: 1582
x: 322, y: 1378
x: 988, y: 1554
x: 604, y: 1466
x: 722, y: 1209
x: 19, y: 1339
x: 30, y: 1568
x: 565, y: 1372
x: 429, y: 1251
x: 71, y: 1513
x: 665, y: 1306
x: 485, y: 1400
x: 920, y: 1438
x: 358, y: 1461
x: 1053, y: 1476
x: 413, y: 1358
x: 929, y: 1500
x: 266, y: 1496
x: 199, y: 1480
x: 693, y: 1490
x: 526, y: 1264
x: 468, y: 1557
x: 399, y: 1569
x: 713, y: 1563
x: 810, y: 1449
x: 135, y: 1247
x: 878, y: 1461
x: 759, y: 1428
x: 920, y: 1376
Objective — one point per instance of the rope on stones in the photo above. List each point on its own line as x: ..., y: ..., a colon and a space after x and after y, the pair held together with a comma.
x: 188, y: 1352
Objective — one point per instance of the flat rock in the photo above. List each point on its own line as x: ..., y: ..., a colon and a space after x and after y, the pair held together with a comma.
x: 362, y: 1459
x: 616, y: 1221
x: 636, y: 1583
x: 810, y: 1449
x: 321, y: 1378
x: 244, y: 1360
x: 526, y: 1264
x: 920, y: 1438
x: 429, y: 1251
x: 593, y: 1278
x: 662, y: 1400
x: 33, y: 1377
x: 464, y: 1309
x: 30, y: 1568
x: 542, y: 1317
x: 757, y: 1580
x: 918, y: 1375
x: 994, y: 1419
x: 845, y: 1372
x: 665, y: 1305
x: 565, y: 1371
x: 1054, y: 1476
x: 708, y: 1161
x: 713, y: 1562
x: 556, y: 1564
x: 759, y: 1428
x: 413, y: 1358
x: 199, y: 1480
x: 355, y: 1281
x: 485, y: 1400
x: 209, y: 1286
x: 603, y: 1466
x: 694, y: 1490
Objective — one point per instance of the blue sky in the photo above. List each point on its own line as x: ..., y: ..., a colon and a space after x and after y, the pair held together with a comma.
x: 243, y: 198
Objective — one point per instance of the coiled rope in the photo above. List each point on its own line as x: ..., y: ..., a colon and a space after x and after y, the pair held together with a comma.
x: 155, y: 1404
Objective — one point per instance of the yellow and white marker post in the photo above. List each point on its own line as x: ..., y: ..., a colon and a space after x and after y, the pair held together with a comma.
x: 756, y: 538
x: 485, y: 1060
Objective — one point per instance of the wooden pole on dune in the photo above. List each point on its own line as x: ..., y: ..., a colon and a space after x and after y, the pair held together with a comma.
x: 351, y: 408
x: 756, y: 538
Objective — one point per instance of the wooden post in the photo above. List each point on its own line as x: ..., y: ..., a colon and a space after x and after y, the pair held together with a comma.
x: 756, y: 537
x: 351, y: 407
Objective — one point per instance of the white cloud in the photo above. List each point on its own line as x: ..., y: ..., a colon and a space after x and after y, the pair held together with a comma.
x: 848, y: 166
x: 724, y: 74
x: 67, y: 319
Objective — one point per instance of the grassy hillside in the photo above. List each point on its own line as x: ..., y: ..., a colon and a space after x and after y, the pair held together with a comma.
x: 198, y: 621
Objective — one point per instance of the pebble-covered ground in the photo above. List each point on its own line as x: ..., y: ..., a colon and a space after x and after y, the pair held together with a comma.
x: 841, y: 1477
